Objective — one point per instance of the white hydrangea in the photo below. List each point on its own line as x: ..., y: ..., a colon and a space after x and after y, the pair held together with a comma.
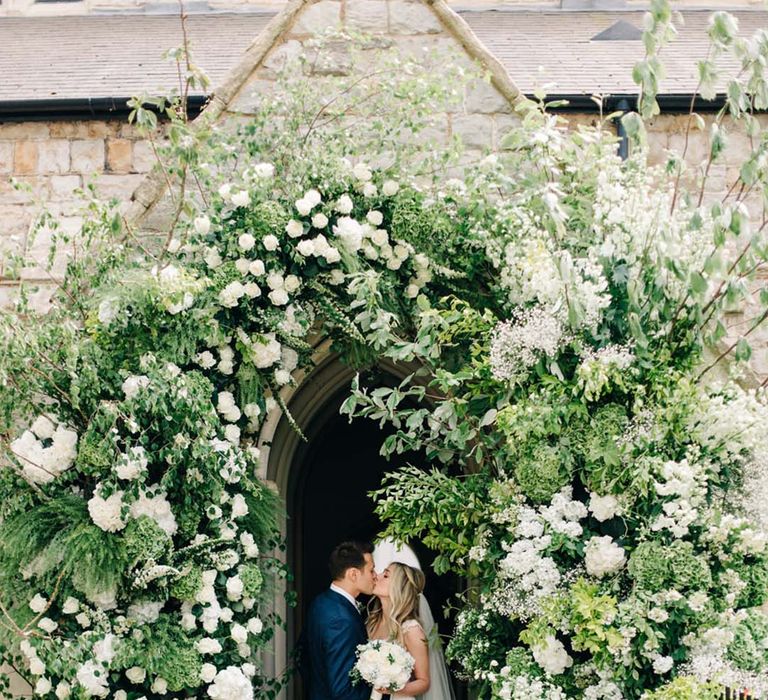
x: 106, y: 513
x: 132, y: 464
x: 603, y: 507
x: 231, y: 684
x: 602, y: 556
x: 552, y: 656
x: 133, y: 384
x: 156, y: 506
x: 93, y: 678
x: 40, y: 464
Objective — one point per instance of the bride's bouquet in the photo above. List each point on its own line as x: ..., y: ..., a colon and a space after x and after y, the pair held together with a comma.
x: 382, y: 665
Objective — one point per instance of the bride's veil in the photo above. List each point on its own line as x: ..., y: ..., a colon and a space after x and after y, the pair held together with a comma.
x: 440, y: 688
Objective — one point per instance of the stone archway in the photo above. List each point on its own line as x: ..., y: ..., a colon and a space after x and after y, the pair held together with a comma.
x: 320, y: 489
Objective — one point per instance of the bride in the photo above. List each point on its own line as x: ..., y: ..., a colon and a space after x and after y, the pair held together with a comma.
x: 399, y: 612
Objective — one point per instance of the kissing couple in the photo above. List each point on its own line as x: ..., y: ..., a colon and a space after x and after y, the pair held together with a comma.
x: 397, y: 612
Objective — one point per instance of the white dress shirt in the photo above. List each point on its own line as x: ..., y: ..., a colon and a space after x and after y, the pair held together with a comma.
x: 341, y: 591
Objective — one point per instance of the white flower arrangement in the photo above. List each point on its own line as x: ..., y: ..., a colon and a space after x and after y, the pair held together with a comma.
x: 383, y: 664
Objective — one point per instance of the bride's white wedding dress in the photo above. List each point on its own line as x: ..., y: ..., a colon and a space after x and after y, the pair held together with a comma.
x: 408, y: 625
x: 440, y: 687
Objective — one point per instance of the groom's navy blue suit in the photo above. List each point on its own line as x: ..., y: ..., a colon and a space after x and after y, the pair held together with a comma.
x: 334, y: 629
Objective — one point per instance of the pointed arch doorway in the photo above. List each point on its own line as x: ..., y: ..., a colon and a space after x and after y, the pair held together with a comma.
x: 324, y: 482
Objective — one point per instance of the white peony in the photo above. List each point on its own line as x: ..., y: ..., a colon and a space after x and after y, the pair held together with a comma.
x: 552, y: 656
x: 349, y: 232
x: 231, y: 684
x: 603, y: 507
x: 106, y: 513
x: 208, y: 645
x: 603, y: 556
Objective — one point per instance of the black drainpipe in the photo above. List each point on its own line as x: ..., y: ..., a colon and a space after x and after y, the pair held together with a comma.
x: 622, y: 106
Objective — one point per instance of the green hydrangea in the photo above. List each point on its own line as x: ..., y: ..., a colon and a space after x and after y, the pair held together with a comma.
x: 186, y: 587
x: 755, y: 575
x: 648, y: 566
x: 543, y: 472
x: 252, y: 579
x: 144, y: 539
x: 521, y: 663
x: 655, y: 566
x: 687, y: 569
x: 181, y: 667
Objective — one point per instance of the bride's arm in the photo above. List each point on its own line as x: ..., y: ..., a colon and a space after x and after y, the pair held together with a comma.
x: 416, y: 644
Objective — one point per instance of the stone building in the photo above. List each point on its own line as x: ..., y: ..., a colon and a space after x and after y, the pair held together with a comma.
x: 69, y: 68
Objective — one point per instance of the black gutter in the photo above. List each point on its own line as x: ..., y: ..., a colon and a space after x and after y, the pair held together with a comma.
x: 81, y: 108
x: 679, y: 103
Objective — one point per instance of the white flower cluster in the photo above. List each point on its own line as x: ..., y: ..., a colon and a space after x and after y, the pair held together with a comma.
x: 518, y: 344
x: 132, y: 464
x: 685, y: 484
x: 602, y: 556
x: 526, y: 688
x: 177, y: 288
x: 45, y: 450
x: 231, y: 683
x: 599, y: 367
x: 552, y: 656
x: 384, y: 664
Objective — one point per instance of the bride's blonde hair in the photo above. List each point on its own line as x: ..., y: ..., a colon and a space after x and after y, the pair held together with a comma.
x: 405, y: 585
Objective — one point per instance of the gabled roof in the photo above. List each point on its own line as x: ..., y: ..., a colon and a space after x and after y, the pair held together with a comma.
x: 117, y: 56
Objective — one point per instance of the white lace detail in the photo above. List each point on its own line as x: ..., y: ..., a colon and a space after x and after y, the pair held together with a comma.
x: 410, y: 625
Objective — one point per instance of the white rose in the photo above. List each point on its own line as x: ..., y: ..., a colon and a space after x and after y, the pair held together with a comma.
x: 291, y: 283
x: 231, y: 684
x: 411, y: 291
x: 206, y: 359
x: 212, y: 258
x: 132, y: 385
x: 241, y: 198
x: 71, y: 606
x: 234, y: 588
x: 319, y: 220
x: 282, y: 377
x: 36, y: 666
x: 246, y: 242
x: 159, y: 686
x: 231, y: 294
x: 337, y: 277
x: 603, y: 507
x: 239, y: 506
x: 208, y: 645
x: 303, y: 206
x: 43, y: 686
x: 202, y: 225
x: 313, y: 197
x: 663, y: 664
x: 263, y: 170
x: 266, y: 351
x: 344, y: 204
x: 83, y: 619
x: 279, y: 297
x: 252, y: 290
x: 136, y: 674
x: 255, y: 625
x: 232, y: 434
x: 390, y: 188
x: 207, y: 673
x: 370, y: 190
x: 249, y: 670
x: 603, y: 556
x: 63, y: 690
x: 375, y: 218
x: 270, y: 242
x: 121, y: 695
x: 332, y: 255
x: 256, y: 268
x: 362, y: 172
x: 239, y: 633
x: 47, y: 625
x: 225, y: 190
x: 294, y: 228
x: 306, y: 247
x: 38, y: 603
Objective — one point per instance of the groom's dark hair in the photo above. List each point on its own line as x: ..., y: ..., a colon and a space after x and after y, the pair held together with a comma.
x: 348, y: 555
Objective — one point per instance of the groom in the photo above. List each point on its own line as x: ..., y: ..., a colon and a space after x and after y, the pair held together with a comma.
x: 335, y: 626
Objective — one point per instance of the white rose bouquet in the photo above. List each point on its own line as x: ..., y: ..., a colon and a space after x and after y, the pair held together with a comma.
x: 382, y: 665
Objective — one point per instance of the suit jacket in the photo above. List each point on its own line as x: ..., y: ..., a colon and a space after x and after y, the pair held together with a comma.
x: 334, y: 629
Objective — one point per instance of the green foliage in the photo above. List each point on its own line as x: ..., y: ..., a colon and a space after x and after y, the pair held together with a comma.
x: 686, y: 688
x: 655, y: 566
x: 252, y: 579
x: 144, y: 540
x: 543, y: 472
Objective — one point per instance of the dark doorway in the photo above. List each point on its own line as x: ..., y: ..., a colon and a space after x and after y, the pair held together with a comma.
x: 328, y: 504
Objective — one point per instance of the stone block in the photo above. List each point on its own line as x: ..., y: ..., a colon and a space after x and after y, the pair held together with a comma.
x: 277, y: 59
x: 333, y: 58
x: 475, y: 130
x: 11, y: 244
x: 367, y: 15
x: 143, y: 156
x: 502, y: 125
x: 30, y: 188
x: 483, y: 98
x: 24, y: 130
x: 83, y: 129
x: 657, y: 148
x: 53, y: 156
x: 318, y: 17
x: 14, y: 220
x: 88, y: 156
x: 412, y: 18
x: 40, y: 247
x: 697, y: 151
x: 64, y: 186
x: 119, y: 186
x: 25, y: 157
x: 252, y: 96
x: 119, y: 155
x: 6, y: 157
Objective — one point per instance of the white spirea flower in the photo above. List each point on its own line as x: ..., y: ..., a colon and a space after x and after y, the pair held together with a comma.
x: 319, y: 220
x: 231, y: 684
x: 294, y: 228
x: 241, y: 198
x: 246, y: 242
x: 603, y: 507
x: 202, y: 225
x: 602, y: 556
x: 106, y: 513
x: 270, y: 242
x: 552, y: 656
